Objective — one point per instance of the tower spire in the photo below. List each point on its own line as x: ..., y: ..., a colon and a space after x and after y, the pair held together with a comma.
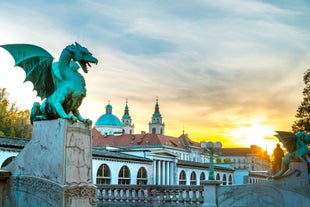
x: 156, y: 126
x: 156, y: 111
x: 128, y: 127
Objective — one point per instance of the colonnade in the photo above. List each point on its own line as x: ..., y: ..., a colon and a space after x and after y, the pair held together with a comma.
x: 163, y: 172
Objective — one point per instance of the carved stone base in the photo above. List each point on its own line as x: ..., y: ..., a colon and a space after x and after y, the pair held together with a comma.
x: 290, y: 190
x: 83, y: 195
x: 54, y: 168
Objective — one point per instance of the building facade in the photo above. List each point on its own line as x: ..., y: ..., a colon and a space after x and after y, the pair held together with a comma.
x: 122, y: 157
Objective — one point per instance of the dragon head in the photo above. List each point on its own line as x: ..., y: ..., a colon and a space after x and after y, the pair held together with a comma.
x: 81, y: 55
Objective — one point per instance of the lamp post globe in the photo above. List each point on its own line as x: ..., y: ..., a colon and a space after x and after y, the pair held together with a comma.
x: 211, y: 148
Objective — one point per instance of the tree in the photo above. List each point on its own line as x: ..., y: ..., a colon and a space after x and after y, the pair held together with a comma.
x: 13, y: 122
x: 303, y: 111
x: 227, y: 160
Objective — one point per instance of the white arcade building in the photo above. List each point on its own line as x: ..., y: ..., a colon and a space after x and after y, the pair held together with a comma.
x: 122, y: 157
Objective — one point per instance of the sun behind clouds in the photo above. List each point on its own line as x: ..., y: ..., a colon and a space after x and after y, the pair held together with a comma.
x: 253, y: 132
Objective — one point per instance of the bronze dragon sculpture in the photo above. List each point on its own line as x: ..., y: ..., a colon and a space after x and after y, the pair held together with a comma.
x: 297, y: 148
x: 60, y: 85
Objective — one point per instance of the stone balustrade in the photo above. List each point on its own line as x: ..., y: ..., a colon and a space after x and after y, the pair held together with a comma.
x: 149, y: 195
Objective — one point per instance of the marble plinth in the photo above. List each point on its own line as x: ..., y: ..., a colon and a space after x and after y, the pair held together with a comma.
x: 54, y: 168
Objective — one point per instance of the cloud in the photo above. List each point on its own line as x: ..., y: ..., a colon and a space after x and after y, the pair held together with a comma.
x: 212, y: 63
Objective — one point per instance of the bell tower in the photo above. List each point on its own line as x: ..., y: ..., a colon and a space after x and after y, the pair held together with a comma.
x: 157, y: 126
x: 128, y: 127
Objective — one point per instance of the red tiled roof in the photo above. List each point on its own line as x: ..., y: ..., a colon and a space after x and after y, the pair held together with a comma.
x: 141, y: 140
x: 235, y: 151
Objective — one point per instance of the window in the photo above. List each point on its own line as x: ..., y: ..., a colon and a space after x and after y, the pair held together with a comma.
x: 7, y: 161
x: 230, y: 180
x: 103, y: 175
x: 224, y: 180
x: 193, y: 180
x: 153, y: 131
x: 124, y: 175
x: 218, y: 177
x: 142, y: 176
x: 202, y: 176
x: 182, y: 178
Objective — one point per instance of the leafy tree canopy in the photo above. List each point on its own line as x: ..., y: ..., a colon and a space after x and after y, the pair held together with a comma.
x: 302, y: 122
x: 13, y: 122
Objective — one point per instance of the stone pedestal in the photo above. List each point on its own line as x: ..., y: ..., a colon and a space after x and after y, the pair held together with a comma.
x: 210, y: 192
x: 297, y: 175
x: 54, y: 168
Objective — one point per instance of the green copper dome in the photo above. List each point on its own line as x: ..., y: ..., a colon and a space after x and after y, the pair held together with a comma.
x: 108, y: 119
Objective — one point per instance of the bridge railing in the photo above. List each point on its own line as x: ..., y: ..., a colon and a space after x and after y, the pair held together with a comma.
x: 163, y: 195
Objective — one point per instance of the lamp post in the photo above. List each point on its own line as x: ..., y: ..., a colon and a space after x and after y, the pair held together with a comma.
x: 211, y: 148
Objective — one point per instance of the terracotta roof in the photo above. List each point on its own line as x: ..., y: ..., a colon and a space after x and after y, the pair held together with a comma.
x: 99, y: 152
x: 235, y: 151
x: 141, y: 140
x: 252, y: 150
x: 187, y: 141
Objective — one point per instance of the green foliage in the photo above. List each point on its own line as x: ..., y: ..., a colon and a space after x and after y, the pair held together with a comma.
x: 227, y: 161
x: 218, y: 160
x: 303, y: 111
x: 13, y: 122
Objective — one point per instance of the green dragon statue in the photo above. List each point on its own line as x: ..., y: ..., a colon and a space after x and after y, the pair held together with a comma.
x: 60, y: 85
x: 297, y: 148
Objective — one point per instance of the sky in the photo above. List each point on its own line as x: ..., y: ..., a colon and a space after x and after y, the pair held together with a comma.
x: 228, y: 71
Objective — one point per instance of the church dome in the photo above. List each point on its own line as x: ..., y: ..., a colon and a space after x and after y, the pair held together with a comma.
x: 108, y: 119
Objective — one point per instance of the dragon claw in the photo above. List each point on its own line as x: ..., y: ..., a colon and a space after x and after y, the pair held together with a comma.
x: 71, y: 118
x: 88, y: 121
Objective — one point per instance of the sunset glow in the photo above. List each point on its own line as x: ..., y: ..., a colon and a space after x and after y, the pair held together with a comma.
x: 256, y: 134
x: 228, y: 71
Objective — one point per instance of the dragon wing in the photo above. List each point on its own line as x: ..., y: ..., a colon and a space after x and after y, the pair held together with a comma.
x: 288, y: 139
x: 37, y: 64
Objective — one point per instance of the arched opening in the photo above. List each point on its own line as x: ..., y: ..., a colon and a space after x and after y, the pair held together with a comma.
x: 124, y: 175
x: 224, y: 180
x: 229, y: 180
x: 7, y: 161
x: 103, y: 175
x: 142, y: 176
x: 202, y: 176
x: 193, y: 180
x: 182, y: 178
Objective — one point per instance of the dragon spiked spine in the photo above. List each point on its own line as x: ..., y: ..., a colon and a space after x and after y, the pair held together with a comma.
x: 59, y: 84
